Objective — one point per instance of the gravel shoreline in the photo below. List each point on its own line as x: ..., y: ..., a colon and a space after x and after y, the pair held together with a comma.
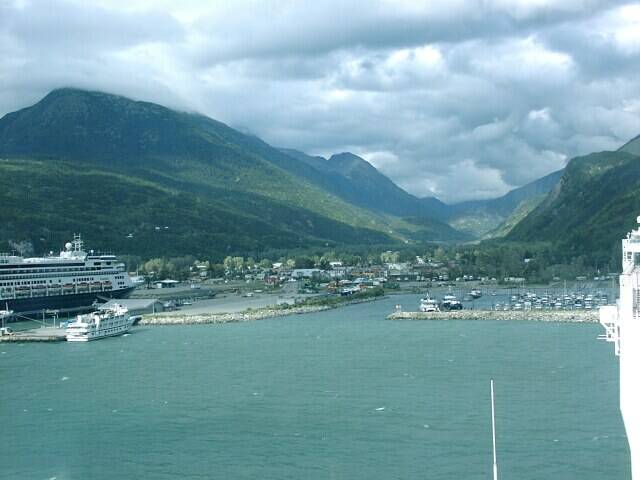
x: 246, y: 316
x: 579, y: 316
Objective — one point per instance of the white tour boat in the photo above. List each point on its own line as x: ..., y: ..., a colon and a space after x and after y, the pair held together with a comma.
x: 429, y: 304
x: 106, y: 323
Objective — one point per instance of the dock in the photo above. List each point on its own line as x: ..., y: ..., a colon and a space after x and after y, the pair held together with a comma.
x: 44, y: 334
x: 565, y: 316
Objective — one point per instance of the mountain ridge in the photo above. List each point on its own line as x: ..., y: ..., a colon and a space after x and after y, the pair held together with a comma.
x: 590, y: 209
x: 190, y: 154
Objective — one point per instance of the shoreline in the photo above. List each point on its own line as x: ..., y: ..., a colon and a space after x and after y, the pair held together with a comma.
x: 570, y: 316
x: 246, y: 315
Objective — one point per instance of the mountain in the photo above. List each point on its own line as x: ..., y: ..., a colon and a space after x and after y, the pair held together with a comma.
x: 632, y: 146
x: 594, y: 204
x: 355, y: 180
x: 110, y: 166
x: 493, y: 217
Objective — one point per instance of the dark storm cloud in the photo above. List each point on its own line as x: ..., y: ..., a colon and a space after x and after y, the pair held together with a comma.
x: 459, y: 99
x: 316, y: 28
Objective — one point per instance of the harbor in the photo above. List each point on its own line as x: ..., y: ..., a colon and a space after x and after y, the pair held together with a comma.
x: 340, y: 389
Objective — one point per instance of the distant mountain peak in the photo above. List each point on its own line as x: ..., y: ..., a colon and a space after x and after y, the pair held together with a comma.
x: 174, y: 163
x: 348, y: 161
x: 632, y: 146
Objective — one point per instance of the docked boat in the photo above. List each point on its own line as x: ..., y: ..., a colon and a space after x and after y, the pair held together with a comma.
x: 73, y: 279
x: 450, y: 302
x: 106, y: 323
x: 475, y: 293
x: 4, y: 315
x: 428, y: 304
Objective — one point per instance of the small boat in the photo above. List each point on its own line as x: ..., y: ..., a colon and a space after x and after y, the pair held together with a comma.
x: 475, y: 293
x: 450, y: 302
x: 429, y: 304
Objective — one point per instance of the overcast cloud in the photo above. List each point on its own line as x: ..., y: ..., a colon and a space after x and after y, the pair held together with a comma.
x: 454, y: 99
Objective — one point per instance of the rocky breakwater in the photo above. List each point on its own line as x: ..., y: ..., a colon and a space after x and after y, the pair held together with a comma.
x: 246, y: 316
x: 570, y: 316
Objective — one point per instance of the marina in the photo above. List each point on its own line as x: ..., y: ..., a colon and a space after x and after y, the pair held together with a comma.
x: 508, y: 315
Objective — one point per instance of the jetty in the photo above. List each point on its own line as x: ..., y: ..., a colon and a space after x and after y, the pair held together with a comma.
x: 565, y: 316
x: 247, y: 315
x: 44, y: 334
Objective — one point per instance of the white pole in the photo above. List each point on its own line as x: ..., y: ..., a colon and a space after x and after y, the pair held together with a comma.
x: 493, y: 429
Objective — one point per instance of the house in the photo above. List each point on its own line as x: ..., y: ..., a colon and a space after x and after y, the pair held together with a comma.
x: 167, y: 283
x: 305, y: 272
x: 136, y: 306
x: 203, y: 270
x: 337, y: 272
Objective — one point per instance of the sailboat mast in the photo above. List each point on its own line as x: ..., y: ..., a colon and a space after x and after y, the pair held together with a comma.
x: 493, y: 430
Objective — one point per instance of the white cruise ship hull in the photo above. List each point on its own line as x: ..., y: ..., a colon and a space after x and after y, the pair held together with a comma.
x: 630, y: 390
x: 72, y: 280
x: 74, y: 301
x: 622, y: 327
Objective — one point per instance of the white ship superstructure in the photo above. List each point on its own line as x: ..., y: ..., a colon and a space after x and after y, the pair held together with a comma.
x: 72, y: 279
x: 428, y: 304
x: 622, y: 326
x: 106, y: 323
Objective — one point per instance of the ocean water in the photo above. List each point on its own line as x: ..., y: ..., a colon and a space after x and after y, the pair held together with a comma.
x: 342, y: 394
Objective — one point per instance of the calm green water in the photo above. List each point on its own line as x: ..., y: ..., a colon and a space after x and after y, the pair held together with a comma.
x: 336, y: 395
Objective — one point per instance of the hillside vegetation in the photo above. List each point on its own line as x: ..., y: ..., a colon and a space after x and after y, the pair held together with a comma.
x: 495, y: 217
x: 108, y: 166
x: 589, y: 211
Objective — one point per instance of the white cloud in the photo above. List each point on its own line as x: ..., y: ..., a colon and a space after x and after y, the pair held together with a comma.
x: 496, y: 92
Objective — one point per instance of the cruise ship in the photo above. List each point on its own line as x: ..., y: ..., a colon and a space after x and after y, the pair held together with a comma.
x: 74, y: 279
x: 622, y: 327
x: 93, y: 326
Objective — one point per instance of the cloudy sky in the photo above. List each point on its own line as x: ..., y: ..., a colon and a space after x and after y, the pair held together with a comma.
x: 460, y: 99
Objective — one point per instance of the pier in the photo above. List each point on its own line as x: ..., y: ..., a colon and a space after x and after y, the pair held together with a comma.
x: 565, y: 316
x: 44, y: 334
